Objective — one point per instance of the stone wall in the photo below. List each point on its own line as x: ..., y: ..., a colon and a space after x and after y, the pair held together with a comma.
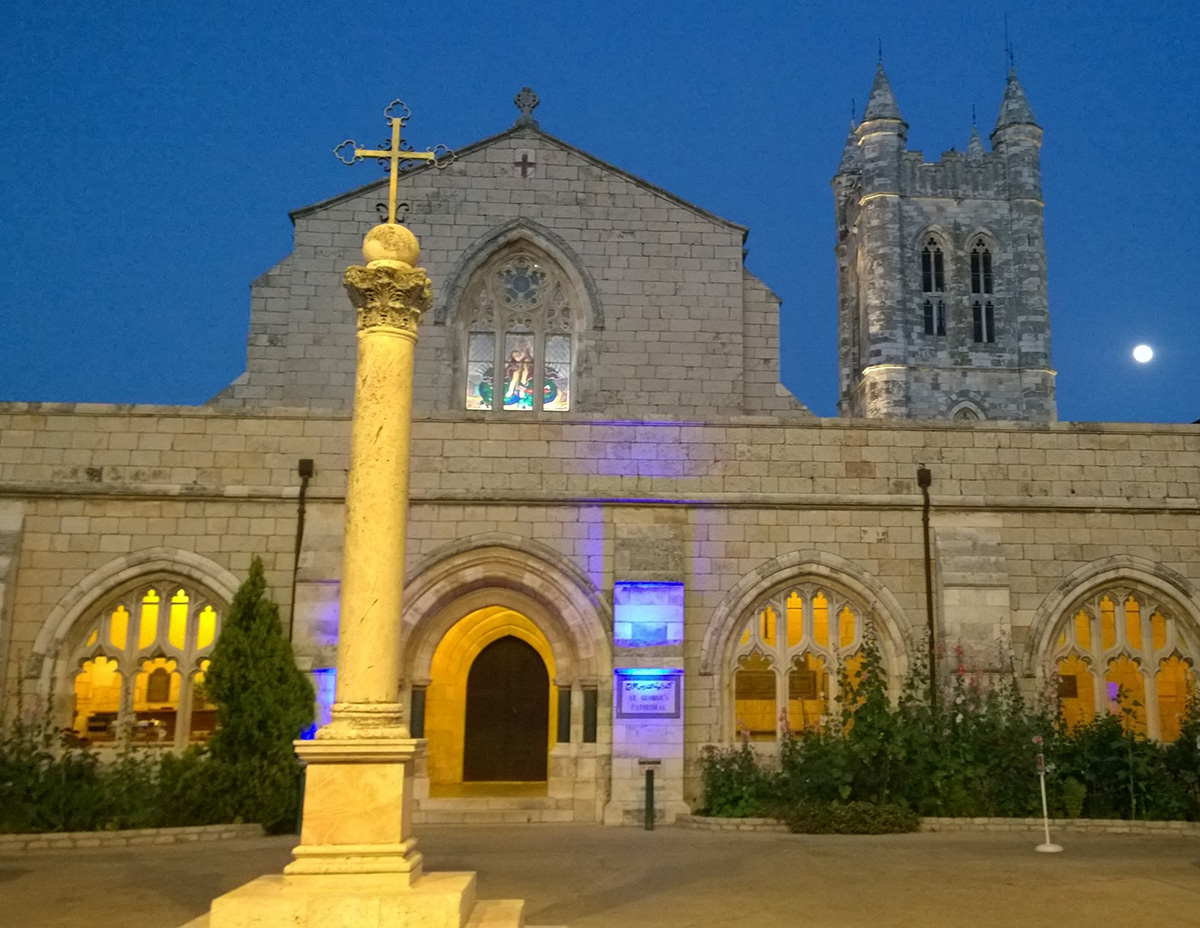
x: 672, y: 317
x: 1019, y: 511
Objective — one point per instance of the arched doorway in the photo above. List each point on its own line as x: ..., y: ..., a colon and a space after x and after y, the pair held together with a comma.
x: 508, y: 713
x: 489, y: 715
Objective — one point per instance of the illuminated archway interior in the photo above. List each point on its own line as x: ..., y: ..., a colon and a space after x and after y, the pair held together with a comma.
x: 446, y: 696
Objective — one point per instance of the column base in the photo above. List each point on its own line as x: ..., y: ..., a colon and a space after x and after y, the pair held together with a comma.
x: 435, y: 900
x: 399, y: 862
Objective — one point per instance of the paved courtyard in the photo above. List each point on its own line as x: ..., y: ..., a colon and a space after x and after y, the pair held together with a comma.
x: 592, y: 877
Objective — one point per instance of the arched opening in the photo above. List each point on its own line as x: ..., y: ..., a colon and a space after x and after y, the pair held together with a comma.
x: 508, y: 714
x: 137, y: 671
x: 489, y: 716
x: 796, y: 647
x: 1122, y: 649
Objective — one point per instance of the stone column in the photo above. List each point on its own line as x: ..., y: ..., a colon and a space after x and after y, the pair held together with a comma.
x: 358, y: 796
x: 356, y: 865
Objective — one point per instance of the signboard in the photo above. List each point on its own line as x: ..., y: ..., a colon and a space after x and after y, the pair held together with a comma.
x: 648, y: 697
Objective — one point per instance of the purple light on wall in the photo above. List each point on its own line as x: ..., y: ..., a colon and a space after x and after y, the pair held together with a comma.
x: 324, y: 683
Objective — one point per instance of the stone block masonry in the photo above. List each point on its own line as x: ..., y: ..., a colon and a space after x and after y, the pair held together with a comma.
x: 744, y: 498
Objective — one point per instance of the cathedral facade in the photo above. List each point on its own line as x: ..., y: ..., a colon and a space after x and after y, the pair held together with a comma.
x: 627, y: 540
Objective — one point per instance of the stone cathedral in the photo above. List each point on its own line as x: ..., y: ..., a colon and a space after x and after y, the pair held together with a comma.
x: 627, y: 540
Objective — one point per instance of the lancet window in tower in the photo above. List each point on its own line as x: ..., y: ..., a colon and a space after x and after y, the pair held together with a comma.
x: 1124, y: 652
x: 933, y: 268
x: 935, y: 317
x: 519, y: 317
x: 983, y: 322
x: 982, y: 279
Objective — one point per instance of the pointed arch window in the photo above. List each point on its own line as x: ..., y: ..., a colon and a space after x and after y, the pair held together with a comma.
x: 933, y: 267
x: 140, y: 666
x: 519, y: 312
x: 983, y: 322
x: 982, y: 278
x: 786, y: 664
x: 935, y: 317
x: 1122, y: 651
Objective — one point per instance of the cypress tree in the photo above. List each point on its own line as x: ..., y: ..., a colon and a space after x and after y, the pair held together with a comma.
x: 263, y: 703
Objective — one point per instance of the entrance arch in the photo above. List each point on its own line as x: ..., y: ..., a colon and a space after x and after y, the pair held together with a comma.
x: 508, y: 713
x: 488, y: 711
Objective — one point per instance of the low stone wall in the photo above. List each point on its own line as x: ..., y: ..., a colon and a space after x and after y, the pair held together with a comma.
x: 61, y: 840
x: 712, y: 823
x: 1096, y: 826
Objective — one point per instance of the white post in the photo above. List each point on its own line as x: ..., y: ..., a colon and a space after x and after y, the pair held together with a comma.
x: 1048, y: 847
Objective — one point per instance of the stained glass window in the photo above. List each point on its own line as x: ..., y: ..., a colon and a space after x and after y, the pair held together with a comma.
x: 141, y: 664
x: 519, y: 340
x: 1120, y: 651
x: 481, y: 366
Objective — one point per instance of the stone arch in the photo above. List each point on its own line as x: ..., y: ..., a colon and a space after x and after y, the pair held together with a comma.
x: 476, y: 254
x: 1117, y: 569
x: 720, y: 637
x: 525, y: 576
x: 992, y: 239
x: 966, y: 408
x: 47, y: 662
x: 938, y: 232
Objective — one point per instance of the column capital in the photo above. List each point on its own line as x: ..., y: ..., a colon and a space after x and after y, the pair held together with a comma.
x: 389, y: 295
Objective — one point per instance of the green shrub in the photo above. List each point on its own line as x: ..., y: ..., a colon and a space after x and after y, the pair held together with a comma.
x: 51, y: 781
x: 972, y: 754
x: 736, y: 785
x: 263, y: 704
x: 848, y: 818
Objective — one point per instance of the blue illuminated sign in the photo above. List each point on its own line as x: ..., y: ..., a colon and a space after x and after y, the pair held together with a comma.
x: 647, y: 614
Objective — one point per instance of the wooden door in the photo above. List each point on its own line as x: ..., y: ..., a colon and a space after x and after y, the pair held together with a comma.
x: 506, y: 735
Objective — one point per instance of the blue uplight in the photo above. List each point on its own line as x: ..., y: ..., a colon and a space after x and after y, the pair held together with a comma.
x: 647, y: 614
x: 647, y: 671
x: 325, y: 683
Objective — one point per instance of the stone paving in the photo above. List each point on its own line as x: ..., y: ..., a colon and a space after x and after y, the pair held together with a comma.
x: 593, y: 877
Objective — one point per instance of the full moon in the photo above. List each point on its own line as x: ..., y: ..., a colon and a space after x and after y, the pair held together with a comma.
x: 1143, y: 353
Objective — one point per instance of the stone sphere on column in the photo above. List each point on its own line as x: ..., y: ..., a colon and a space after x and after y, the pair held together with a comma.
x: 391, y: 242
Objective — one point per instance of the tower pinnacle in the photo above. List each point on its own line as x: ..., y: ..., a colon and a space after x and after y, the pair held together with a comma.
x: 882, y: 102
x: 1014, y: 108
x: 975, y: 149
x: 851, y: 160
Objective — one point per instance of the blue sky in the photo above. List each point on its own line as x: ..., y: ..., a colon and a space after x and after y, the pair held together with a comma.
x: 154, y: 151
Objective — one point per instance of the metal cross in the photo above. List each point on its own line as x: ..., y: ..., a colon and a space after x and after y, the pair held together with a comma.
x: 393, y: 155
x: 525, y: 164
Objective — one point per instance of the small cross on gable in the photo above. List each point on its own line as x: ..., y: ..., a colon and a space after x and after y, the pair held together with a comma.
x: 525, y: 161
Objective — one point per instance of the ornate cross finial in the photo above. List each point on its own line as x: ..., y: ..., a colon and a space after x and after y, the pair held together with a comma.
x: 392, y: 155
x: 526, y: 102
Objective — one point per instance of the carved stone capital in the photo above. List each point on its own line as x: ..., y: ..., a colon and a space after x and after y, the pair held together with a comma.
x: 391, y: 295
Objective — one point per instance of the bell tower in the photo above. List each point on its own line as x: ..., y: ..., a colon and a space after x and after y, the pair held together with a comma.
x: 942, y: 308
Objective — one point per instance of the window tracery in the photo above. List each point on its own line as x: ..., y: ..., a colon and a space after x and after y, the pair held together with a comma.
x: 1122, y: 650
x: 786, y: 663
x: 140, y: 668
x: 933, y: 267
x: 519, y: 326
x: 983, y: 322
x: 982, y: 279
